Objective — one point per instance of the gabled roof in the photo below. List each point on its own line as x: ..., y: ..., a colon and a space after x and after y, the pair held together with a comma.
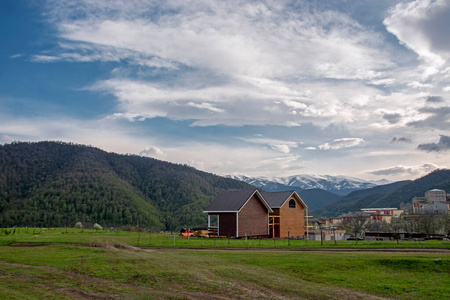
x: 233, y: 201
x: 277, y: 199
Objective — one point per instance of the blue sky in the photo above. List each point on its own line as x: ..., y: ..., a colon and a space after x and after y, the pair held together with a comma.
x: 261, y: 88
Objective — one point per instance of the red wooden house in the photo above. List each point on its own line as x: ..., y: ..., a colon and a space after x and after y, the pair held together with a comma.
x: 251, y: 213
x: 238, y: 213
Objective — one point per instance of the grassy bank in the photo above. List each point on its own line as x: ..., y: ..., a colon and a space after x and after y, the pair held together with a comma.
x: 70, y: 271
x: 77, y: 236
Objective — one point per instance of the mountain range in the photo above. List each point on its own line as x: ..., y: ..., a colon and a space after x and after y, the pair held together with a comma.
x: 317, y: 191
x: 335, y: 195
x: 339, y: 185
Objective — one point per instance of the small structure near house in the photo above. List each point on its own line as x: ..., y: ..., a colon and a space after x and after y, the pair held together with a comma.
x: 327, y: 234
x: 288, y: 217
x: 238, y: 213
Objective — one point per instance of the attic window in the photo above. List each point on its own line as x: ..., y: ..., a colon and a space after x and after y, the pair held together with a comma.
x: 292, y: 203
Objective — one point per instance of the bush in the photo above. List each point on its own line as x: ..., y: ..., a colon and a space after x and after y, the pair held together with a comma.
x: 97, y: 227
x: 78, y: 225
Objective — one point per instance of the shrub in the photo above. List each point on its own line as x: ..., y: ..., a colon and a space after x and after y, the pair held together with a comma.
x: 78, y: 225
x: 97, y: 227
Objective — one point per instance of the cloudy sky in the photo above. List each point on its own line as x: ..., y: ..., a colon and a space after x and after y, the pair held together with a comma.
x: 261, y: 88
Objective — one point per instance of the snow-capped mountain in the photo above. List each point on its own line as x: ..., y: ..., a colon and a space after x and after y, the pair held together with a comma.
x: 341, y: 185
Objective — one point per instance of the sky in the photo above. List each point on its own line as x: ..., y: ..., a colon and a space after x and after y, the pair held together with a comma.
x: 260, y: 88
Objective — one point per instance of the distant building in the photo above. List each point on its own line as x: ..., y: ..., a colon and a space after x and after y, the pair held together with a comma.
x: 436, y: 195
x: 327, y: 235
x: 437, y: 208
x: 383, y: 214
x: 435, y: 202
x: 418, y: 204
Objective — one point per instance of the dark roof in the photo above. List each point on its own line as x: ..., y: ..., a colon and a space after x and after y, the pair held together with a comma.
x: 277, y: 199
x: 233, y: 201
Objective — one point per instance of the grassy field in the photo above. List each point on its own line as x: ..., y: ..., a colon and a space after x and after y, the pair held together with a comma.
x: 108, y: 265
x: 71, y: 235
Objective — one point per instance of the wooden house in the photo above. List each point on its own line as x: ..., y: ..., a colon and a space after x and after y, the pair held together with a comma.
x: 288, y: 216
x: 238, y: 213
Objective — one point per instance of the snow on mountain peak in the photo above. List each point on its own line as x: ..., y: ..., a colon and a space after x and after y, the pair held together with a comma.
x: 336, y: 184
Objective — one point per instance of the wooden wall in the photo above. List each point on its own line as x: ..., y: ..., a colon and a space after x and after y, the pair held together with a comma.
x: 253, y: 218
x: 227, y: 224
x: 292, y: 220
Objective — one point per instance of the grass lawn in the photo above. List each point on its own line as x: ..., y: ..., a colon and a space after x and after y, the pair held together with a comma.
x: 71, y: 235
x: 107, y: 264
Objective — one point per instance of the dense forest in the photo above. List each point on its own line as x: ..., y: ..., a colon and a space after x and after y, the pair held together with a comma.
x: 59, y: 184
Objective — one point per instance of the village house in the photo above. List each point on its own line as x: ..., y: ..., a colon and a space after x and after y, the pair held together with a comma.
x: 238, y: 213
x: 288, y: 216
x: 245, y: 213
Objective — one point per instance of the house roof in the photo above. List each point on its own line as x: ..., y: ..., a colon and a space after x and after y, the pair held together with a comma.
x: 233, y: 201
x: 277, y: 199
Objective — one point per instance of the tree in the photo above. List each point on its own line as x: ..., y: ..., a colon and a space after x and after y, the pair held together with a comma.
x: 428, y: 224
x: 78, y: 225
x: 357, y: 223
x: 97, y: 227
x: 445, y: 221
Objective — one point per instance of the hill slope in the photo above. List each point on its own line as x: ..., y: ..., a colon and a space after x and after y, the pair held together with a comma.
x: 58, y: 184
x: 317, y: 198
x: 390, y: 195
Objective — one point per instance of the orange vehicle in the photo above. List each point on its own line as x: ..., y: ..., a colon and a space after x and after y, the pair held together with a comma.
x: 186, y: 232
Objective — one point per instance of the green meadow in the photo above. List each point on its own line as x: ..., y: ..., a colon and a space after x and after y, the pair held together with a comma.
x: 146, y: 239
x: 132, y: 265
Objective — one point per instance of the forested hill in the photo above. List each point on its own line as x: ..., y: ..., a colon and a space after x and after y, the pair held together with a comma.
x: 390, y: 195
x: 59, y: 184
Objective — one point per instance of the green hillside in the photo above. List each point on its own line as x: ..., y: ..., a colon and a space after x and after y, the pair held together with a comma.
x: 317, y: 198
x: 390, y: 195
x: 59, y: 184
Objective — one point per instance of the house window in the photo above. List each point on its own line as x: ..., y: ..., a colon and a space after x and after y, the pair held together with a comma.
x: 292, y: 203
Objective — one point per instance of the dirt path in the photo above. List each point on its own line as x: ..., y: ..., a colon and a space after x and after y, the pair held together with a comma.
x: 160, y: 249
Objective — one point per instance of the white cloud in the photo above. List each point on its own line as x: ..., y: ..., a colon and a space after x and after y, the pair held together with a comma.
x: 45, y: 58
x: 6, y: 139
x: 281, y: 148
x: 154, y: 152
x: 341, y: 143
x: 261, y: 54
x: 238, y: 63
x: 418, y: 85
x: 417, y: 170
x: 422, y: 26
x: 205, y: 105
